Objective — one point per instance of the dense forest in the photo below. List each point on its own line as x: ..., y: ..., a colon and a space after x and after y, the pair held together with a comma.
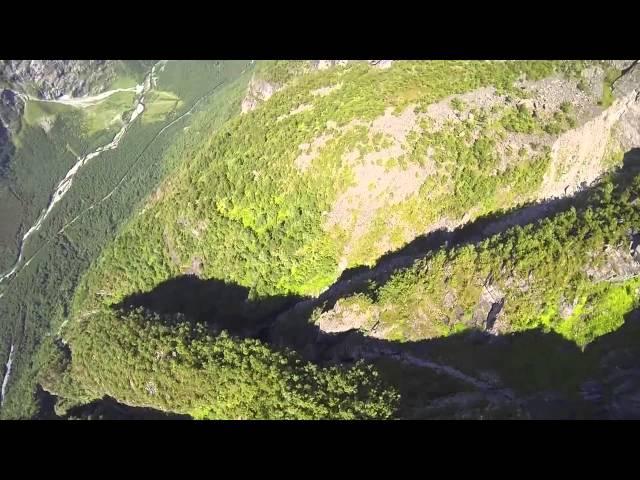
x: 184, y: 271
x: 262, y: 226
x: 177, y: 366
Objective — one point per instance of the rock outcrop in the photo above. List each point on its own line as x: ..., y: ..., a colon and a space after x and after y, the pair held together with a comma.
x: 615, y: 265
x: 11, y: 109
x: 259, y: 91
x: 325, y: 64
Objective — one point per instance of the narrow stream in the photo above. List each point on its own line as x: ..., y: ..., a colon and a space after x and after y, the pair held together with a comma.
x: 7, y: 374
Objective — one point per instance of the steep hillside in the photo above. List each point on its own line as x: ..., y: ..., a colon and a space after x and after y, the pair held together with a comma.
x: 81, y: 168
x: 288, y: 196
x: 575, y: 273
x: 444, y: 367
x: 333, y: 165
x: 52, y: 79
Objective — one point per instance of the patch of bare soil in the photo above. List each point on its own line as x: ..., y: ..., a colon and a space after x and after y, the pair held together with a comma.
x: 576, y: 156
x: 196, y: 267
x: 46, y: 122
x: 442, y: 112
x: 377, y: 185
x: 324, y: 91
x: 299, y: 109
x: 310, y: 151
x: 548, y: 94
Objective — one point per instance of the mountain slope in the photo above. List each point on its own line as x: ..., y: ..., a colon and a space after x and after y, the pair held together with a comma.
x: 341, y: 181
x: 330, y: 168
x: 575, y: 273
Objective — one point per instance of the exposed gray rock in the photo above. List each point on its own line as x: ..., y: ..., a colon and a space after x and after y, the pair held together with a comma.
x: 629, y: 81
x: 382, y: 64
x: 489, y: 307
x: 258, y: 91
x: 51, y: 79
x: 11, y: 109
x: 628, y: 129
x: 614, y: 265
x: 325, y: 64
x: 621, y: 64
x: 494, y: 313
x: 566, y: 309
x: 343, y: 318
x: 592, y: 78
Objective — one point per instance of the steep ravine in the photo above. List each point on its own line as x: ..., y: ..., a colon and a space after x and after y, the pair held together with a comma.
x: 578, y: 161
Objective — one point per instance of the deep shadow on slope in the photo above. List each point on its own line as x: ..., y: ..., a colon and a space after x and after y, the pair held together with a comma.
x: 530, y: 374
x: 106, y: 408
x: 527, y: 375
x: 220, y: 304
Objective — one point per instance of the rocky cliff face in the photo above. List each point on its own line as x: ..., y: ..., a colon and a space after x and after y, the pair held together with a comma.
x: 258, y: 91
x: 11, y: 109
x: 51, y: 79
